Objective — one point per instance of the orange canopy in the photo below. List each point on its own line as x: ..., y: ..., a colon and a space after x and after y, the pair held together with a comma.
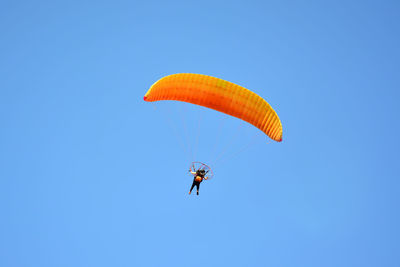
x: 220, y: 95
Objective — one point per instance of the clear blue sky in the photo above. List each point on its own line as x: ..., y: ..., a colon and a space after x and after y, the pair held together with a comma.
x: 91, y: 175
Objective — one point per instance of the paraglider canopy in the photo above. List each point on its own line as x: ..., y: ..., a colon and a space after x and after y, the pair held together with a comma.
x: 219, y: 95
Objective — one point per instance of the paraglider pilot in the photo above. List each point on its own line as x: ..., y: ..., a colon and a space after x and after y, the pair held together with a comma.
x: 199, y: 176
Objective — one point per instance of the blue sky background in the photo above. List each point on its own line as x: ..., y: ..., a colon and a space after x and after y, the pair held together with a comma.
x: 91, y: 175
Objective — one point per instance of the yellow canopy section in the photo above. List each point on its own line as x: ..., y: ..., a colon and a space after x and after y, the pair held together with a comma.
x: 220, y: 95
